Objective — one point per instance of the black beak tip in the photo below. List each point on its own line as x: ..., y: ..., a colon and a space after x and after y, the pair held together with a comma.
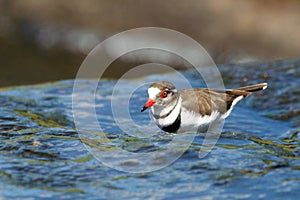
x: 143, y: 109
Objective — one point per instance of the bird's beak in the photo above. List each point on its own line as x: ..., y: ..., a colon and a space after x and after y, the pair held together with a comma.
x: 148, y: 104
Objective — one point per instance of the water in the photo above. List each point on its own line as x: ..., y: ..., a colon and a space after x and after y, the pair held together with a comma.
x: 257, y: 157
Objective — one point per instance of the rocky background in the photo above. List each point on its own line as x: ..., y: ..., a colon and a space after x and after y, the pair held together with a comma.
x: 47, y: 40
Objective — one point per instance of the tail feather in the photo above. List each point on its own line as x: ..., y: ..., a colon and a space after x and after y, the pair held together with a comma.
x: 253, y: 88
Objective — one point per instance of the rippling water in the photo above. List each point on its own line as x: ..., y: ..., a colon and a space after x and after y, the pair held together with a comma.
x: 42, y: 156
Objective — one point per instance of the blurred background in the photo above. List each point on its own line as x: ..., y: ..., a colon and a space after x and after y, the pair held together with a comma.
x: 47, y: 40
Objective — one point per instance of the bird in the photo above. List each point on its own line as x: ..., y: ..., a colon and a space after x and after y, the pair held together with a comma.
x: 192, y: 109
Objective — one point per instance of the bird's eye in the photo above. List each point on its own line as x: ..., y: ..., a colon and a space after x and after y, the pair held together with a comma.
x: 164, y: 94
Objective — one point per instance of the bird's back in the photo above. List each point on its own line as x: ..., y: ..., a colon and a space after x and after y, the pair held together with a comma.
x: 205, y: 101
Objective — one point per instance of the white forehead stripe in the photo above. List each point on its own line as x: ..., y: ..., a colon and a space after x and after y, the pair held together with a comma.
x: 153, y: 92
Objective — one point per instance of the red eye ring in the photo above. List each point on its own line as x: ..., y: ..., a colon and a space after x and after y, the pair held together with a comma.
x: 164, y: 93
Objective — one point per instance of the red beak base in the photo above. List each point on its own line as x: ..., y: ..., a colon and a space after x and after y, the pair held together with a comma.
x: 148, y: 104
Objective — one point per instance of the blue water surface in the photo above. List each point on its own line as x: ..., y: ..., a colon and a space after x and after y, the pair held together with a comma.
x: 257, y: 156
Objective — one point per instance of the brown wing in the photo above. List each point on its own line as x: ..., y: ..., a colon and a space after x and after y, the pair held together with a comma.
x: 204, y: 101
